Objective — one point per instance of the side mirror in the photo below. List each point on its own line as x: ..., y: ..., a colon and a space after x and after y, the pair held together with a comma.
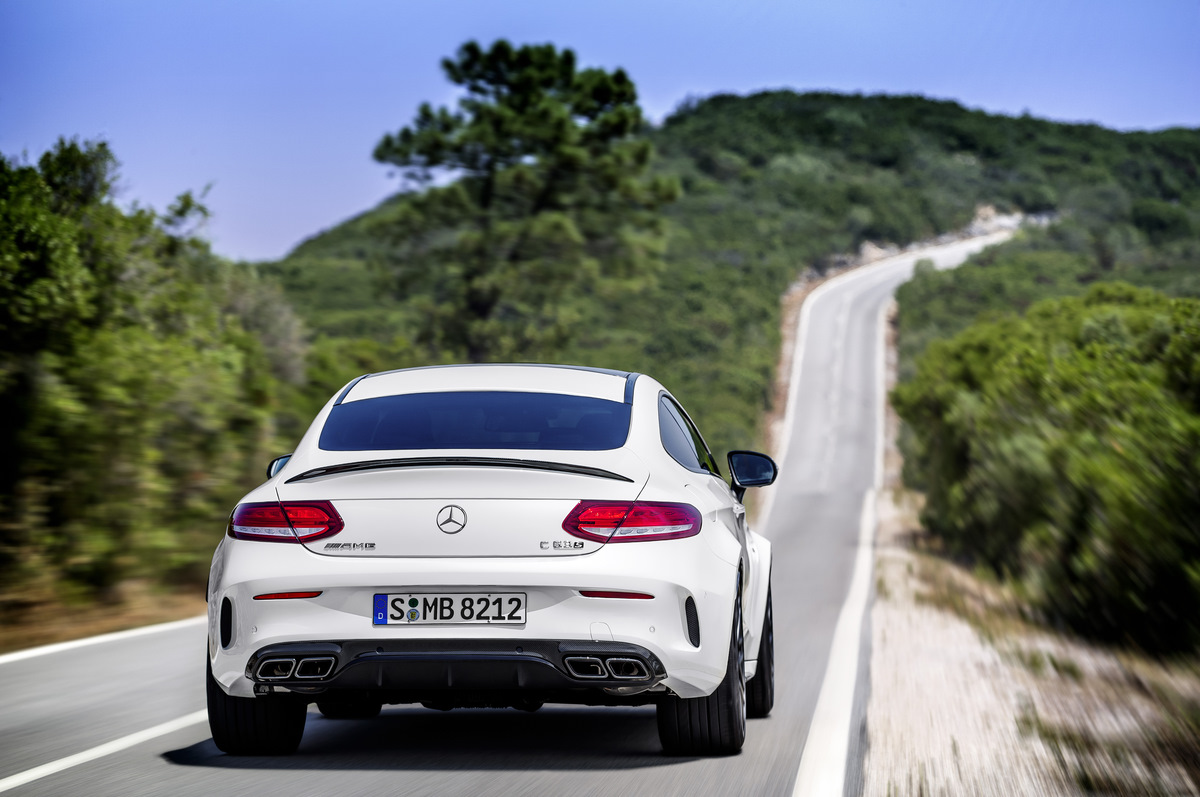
x: 276, y: 465
x: 751, y: 469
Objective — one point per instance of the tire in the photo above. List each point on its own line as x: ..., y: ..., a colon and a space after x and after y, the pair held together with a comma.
x: 760, y: 690
x: 713, y: 725
x: 270, y: 725
x: 348, y: 709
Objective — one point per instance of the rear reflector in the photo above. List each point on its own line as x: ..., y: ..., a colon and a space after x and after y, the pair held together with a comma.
x: 632, y: 521
x: 283, y: 596
x: 295, y: 521
x: 596, y: 593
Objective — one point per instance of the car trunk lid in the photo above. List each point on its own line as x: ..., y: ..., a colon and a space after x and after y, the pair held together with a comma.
x: 462, y: 506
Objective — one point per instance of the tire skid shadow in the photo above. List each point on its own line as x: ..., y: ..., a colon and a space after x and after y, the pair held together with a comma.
x: 408, y: 738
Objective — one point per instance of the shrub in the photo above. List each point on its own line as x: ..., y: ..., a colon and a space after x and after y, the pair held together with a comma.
x: 1064, y: 449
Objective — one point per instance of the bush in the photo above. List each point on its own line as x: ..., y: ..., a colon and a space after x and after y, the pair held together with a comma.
x: 1063, y: 449
x: 1161, y: 221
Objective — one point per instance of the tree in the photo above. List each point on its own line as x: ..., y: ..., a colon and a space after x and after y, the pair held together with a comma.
x: 44, y: 286
x: 548, y: 201
x: 139, y: 373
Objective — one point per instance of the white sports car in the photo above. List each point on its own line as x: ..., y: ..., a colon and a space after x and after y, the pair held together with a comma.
x: 494, y: 535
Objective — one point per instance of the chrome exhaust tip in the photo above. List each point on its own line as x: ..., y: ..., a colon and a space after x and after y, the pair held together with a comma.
x: 627, y: 669
x: 585, y: 667
x: 275, y: 669
x: 316, y: 667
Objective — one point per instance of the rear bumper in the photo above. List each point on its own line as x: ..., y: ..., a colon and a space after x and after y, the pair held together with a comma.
x: 459, y: 672
x: 559, y: 618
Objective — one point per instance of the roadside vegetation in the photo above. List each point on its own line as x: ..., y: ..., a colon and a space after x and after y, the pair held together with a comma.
x: 1048, y: 389
x: 1057, y: 440
x: 139, y: 377
x: 147, y: 381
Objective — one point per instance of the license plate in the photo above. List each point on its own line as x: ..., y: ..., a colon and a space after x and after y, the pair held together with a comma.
x: 409, y: 608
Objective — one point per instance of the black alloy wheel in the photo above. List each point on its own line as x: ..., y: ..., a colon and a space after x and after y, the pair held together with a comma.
x: 268, y: 725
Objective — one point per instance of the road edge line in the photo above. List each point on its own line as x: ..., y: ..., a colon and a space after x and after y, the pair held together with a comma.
x: 100, y: 751
x: 822, y: 769
x: 115, y: 636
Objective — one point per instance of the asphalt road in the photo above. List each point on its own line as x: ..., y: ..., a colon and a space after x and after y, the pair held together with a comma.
x: 60, y: 705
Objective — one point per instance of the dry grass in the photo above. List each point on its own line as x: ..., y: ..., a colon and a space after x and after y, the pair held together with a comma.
x: 990, y: 608
x: 134, y: 604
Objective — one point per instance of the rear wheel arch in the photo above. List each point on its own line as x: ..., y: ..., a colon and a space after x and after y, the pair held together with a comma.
x: 714, y: 724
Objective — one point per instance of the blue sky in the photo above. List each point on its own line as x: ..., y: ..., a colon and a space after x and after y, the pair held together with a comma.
x: 279, y: 104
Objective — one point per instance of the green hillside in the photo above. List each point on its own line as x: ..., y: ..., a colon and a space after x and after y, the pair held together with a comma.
x: 772, y: 184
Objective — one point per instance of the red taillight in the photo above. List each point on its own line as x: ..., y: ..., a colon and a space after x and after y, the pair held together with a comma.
x: 295, y: 521
x: 631, y: 521
x: 284, y: 596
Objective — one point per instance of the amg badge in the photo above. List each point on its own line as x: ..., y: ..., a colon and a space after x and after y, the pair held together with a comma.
x: 349, y: 546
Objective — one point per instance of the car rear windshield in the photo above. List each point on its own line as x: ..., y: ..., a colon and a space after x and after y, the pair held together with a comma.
x: 546, y: 421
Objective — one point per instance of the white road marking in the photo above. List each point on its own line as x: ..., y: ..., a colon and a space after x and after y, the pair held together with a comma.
x: 117, y: 636
x: 115, y: 746
x: 823, y: 764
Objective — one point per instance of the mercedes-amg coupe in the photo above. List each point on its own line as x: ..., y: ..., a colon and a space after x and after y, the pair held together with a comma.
x: 494, y: 536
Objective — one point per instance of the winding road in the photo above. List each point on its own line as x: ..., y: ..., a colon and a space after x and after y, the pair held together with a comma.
x: 123, y: 715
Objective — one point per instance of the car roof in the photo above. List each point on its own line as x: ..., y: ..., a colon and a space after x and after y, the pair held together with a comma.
x: 570, y: 380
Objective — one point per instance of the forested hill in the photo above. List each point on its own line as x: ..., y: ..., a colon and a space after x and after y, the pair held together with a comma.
x: 147, y: 381
x: 1028, y: 162
x: 771, y: 184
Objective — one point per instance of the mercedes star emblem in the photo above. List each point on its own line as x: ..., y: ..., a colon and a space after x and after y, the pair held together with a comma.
x: 451, y: 519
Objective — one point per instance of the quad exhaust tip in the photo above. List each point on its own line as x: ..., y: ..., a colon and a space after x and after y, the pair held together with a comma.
x: 591, y: 667
x: 308, y: 668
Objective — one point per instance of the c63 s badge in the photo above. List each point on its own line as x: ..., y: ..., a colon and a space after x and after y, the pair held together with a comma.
x: 349, y: 546
x: 560, y: 545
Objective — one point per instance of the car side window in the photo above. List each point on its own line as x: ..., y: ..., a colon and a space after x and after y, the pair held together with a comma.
x: 686, y: 445
x: 675, y: 437
x: 702, y: 451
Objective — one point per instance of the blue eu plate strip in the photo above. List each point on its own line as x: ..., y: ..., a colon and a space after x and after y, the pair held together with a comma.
x: 380, y: 613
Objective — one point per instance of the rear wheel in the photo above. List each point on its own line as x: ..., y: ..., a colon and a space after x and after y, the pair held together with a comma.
x: 760, y: 691
x: 349, y: 709
x: 269, y: 725
x: 713, y: 725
